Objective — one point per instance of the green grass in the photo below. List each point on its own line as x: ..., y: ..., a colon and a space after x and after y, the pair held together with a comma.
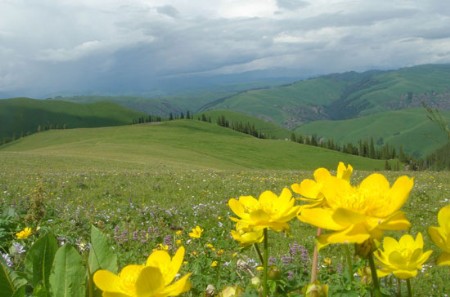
x: 148, y: 201
x: 181, y: 143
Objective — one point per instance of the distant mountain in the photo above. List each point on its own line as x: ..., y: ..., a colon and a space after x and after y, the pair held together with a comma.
x: 23, y: 116
x: 344, y: 96
x: 345, y: 107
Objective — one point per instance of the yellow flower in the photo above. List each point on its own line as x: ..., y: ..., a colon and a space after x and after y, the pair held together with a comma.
x: 196, y: 232
x: 234, y: 291
x: 154, y: 279
x: 402, y: 258
x: 359, y: 213
x: 161, y: 246
x: 246, y: 235
x: 365, y: 275
x: 214, y: 264
x: 312, y: 189
x: 316, y: 289
x: 441, y: 235
x: 269, y: 211
x: 327, y: 261
x: 24, y: 234
x: 178, y: 232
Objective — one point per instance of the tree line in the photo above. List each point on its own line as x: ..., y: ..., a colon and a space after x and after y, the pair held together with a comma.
x: 369, y: 148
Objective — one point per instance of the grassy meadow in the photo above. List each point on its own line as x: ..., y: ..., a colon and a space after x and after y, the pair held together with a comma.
x: 148, y: 185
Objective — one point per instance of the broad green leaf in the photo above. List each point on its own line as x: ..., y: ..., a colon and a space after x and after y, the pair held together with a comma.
x: 39, y: 260
x: 10, y: 283
x: 101, y: 255
x: 68, y: 276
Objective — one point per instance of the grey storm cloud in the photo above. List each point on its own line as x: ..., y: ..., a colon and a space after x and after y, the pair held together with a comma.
x: 52, y: 46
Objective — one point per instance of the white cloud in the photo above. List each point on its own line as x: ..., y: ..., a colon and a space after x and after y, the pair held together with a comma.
x: 141, y: 40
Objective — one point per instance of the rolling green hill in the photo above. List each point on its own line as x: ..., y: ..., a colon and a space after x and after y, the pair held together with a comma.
x: 345, y: 96
x: 23, y: 116
x: 180, y: 143
x: 409, y: 128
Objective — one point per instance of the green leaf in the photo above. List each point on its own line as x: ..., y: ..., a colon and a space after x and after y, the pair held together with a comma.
x: 68, y: 276
x: 10, y: 283
x: 39, y: 260
x: 101, y: 255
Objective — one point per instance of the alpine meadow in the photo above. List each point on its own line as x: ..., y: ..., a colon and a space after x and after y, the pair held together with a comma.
x: 334, y: 185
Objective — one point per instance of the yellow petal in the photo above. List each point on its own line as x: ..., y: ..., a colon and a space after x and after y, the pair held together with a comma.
x: 390, y: 245
x: 249, y: 202
x: 159, y: 259
x: 354, y: 234
x: 346, y: 217
x: 439, y: 238
x: 338, y: 193
x: 397, y: 221
x: 309, y: 189
x: 180, y: 286
x: 399, y: 193
x: 424, y: 257
x: 267, y: 199
x: 344, y: 172
x: 168, y: 267
x: 149, y: 282
x: 405, y: 274
x: 444, y: 259
x: 444, y: 218
x: 285, y: 199
x: 319, y: 217
x: 107, y: 281
x: 383, y: 273
x: 295, y: 188
x: 237, y: 207
x: 321, y: 175
x: 177, y: 261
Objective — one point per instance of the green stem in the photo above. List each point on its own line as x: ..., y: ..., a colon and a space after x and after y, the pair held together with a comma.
x: 315, y: 261
x: 258, y: 251
x: 408, y: 284
x: 349, y: 261
x: 373, y: 272
x: 266, y: 263
x: 399, y: 287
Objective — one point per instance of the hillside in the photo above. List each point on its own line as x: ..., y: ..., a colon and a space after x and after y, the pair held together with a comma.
x: 267, y: 128
x: 409, y: 128
x: 23, y: 116
x: 181, y: 143
x: 344, y: 96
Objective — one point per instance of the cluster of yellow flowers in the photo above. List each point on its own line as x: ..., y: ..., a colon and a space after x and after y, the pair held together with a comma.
x: 351, y: 214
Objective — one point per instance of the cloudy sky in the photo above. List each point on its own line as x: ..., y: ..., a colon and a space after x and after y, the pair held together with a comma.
x: 56, y: 46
